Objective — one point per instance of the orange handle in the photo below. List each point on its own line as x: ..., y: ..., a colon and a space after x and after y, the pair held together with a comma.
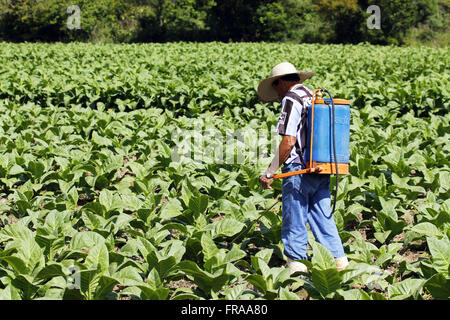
x: 294, y: 173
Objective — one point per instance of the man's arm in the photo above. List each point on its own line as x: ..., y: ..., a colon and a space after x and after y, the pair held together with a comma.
x: 283, y: 152
x: 287, y: 127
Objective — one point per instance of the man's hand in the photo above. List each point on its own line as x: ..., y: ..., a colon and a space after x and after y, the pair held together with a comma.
x: 265, y: 182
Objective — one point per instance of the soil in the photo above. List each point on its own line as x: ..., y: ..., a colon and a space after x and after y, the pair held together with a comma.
x: 183, y: 283
x: 218, y: 218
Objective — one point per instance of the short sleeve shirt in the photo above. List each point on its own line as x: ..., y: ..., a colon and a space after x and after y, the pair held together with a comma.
x: 292, y: 120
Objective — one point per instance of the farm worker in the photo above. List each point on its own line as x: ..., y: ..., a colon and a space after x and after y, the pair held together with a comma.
x: 305, y: 198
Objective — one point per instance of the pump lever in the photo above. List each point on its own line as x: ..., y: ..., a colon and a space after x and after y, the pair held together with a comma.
x: 294, y: 173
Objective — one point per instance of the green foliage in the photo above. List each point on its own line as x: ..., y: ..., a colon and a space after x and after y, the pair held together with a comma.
x: 93, y: 206
x: 291, y: 20
x: 165, y: 20
x: 25, y: 20
x: 396, y: 18
x: 105, y: 21
x: 272, y: 22
x: 36, y: 20
x: 344, y: 17
x: 433, y: 28
x: 298, y: 21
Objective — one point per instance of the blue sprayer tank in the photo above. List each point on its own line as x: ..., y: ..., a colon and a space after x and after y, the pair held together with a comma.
x: 322, y: 144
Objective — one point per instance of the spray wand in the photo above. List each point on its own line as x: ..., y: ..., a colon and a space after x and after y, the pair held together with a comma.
x: 254, y: 221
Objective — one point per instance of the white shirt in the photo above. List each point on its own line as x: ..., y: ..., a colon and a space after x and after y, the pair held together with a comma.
x: 293, y: 119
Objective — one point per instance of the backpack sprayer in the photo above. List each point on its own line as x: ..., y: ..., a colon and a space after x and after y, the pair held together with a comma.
x: 327, y: 142
x: 324, y: 115
x: 328, y: 138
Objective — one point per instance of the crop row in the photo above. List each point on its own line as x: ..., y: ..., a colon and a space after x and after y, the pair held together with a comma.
x: 78, y: 193
x: 120, y: 202
x: 191, y: 78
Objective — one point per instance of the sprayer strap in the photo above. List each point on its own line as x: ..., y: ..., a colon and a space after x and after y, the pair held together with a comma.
x: 306, y: 91
x: 302, y: 125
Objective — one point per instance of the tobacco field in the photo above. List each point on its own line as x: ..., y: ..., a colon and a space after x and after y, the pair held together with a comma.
x: 93, y: 205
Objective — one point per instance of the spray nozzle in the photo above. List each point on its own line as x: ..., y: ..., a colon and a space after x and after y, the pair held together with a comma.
x: 319, y: 95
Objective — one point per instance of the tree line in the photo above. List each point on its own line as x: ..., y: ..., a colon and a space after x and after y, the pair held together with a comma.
x: 297, y: 21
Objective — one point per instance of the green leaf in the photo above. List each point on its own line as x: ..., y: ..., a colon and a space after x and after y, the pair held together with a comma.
x: 100, y: 182
x: 198, y: 204
x: 439, y: 286
x: 234, y: 254
x: 86, y: 240
x: 98, y: 258
x: 405, y: 289
x: 149, y: 293
x: 377, y: 296
x: 440, y: 252
x: 9, y: 293
x: 73, y: 294
x: 356, y: 270
x: 138, y: 169
x: 16, y: 169
x: 382, y: 236
x: 25, y: 284
x: 285, y: 294
x: 176, y: 226
x: 427, y: 229
x: 258, y: 281
x: 31, y: 253
x: 326, y: 281
x: 122, y: 222
x: 363, y: 165
x: 176, y: 249
x: 209, y: 247
x: 17, y: 231
x: 265, y: 255
x: 205, y: 280
x: 171, y: 209
x: 93, y: 221
x: 164, y: 265
x: 128, y: 276
x: 106, y: 199
x: 18, y: 265
x: 73, y: 198
x: 101, y: 141
x: 153, y: 279
x: 262, y: 267
x: 95, y: 207
x: 354, y: 294
x: 225, y: 227
x: 322, y: 258
x: 389, y: 208
x: 36, y: 168
x: 234, y: 292
x: 88, y: 281
x: 105, y: 286
x: 50, y: 271
x: 185, y: 294
x: 4, y: 207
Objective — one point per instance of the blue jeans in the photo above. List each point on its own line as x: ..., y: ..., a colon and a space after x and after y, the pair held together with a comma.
x: 306, y: 198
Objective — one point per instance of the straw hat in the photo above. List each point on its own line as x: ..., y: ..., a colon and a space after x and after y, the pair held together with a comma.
x: 266, y: 92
